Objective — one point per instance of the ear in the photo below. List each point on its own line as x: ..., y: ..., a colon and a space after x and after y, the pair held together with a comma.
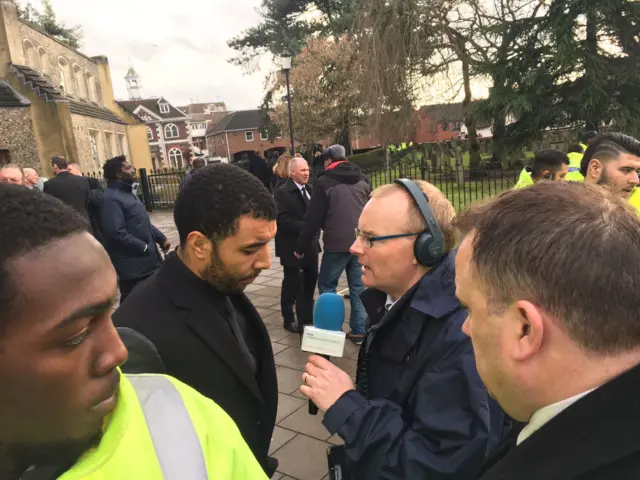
x: 528, y: 331
x: 546, y: 175
x: 595, y: 169
x: 198, y: 245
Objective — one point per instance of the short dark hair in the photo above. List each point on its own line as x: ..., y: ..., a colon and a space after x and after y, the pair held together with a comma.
x: 30, y: 219
x: 575, y: 149
x: 548, y: 159
x: 198, y: 163
x: 59, y: 162
x: 588, y: 136
x: 607, y: 147
x: 213, y: 200
x: 579, y: 265
x: 113, y: 166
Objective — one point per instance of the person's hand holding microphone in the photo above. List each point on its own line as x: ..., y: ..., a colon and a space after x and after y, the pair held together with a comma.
x: 324, y: 383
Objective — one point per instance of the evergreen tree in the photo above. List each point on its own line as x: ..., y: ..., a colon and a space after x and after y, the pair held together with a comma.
x: 48, y: 23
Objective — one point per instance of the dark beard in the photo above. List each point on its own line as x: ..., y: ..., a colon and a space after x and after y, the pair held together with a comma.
x: 217, y: 275
x: 15, y: 459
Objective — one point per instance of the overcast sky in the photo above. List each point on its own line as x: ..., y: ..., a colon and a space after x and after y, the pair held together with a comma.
x: 179, y: 47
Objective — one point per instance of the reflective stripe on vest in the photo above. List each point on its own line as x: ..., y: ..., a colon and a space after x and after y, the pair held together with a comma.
x: 174, y: 438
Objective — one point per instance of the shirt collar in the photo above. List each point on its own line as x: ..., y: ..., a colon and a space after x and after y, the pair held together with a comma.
x: 300, y: 187
x: 388, y: 305
x: 546, y: 414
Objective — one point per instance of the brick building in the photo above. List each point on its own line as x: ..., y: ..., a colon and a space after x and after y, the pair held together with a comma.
x: 440, y: 123
x: 167, y: 130
x: 201, y: 117
x: 238, y: 134
x: 57, y: 101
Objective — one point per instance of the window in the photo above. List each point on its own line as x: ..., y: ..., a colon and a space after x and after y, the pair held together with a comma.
x: 175, y: 157
x: 65, y: 76
x: 92, y: 88
x: 122, y: 145
x: 44, y: 61
x: 81, y: 90
x: 264, y: 136
x: 149, y: 134
x: 30, y: 55
x: 95, y: 153
x: 171, y: 131
x: 218, y: 141
x: 109, y: 144
x: 248, y: 136
x: 164, y: 108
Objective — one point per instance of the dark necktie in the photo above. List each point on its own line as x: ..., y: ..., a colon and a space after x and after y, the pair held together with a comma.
x: 305, y: 198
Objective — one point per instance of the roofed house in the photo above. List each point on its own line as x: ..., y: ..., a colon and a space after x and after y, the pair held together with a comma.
x: 167, y: 130
x: 203, y: 116
x: 65, y: 105
x: 238, y: 134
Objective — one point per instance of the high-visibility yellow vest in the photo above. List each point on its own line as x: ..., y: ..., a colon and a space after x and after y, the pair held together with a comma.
x: 162, y: 429
x: 574, y: 174
x: 524, y: 180
x: 634, y: 199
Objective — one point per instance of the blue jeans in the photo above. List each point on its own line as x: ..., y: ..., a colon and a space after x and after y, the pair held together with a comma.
x: 333, y: 264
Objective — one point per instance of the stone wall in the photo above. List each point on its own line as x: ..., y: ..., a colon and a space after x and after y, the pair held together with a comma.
x: 83, y: 127
x: 16, y: 135
x: 51, y: 69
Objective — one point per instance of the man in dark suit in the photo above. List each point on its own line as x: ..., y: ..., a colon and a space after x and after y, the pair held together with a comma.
x: 553, y: 317
x: 205, y: 330
x: 71, y: 189
x: 95, y: 200
x: 292, y: 200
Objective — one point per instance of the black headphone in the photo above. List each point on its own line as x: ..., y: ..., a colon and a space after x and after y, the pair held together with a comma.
x: 429, y: 246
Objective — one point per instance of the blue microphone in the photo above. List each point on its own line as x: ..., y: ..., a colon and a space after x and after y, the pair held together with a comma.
x: 325, y: 337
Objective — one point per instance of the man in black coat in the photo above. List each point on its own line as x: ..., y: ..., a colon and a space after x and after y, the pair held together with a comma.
x: 205, y: 330
x: 420, y: 410
x: 95, y: 200
x: 555, y: 329
x: 129, y: 237
x: 71, y: 189
x: 300, y: 275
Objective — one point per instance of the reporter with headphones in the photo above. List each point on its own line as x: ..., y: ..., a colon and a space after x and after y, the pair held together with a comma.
x: 420, y: 410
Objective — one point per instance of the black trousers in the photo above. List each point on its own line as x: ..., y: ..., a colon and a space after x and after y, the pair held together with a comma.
x: 298, y: 288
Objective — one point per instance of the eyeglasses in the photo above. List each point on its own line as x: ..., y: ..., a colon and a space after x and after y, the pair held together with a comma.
x: 367, y: 242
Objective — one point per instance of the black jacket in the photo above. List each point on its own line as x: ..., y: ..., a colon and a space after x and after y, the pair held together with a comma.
x: 95, y: 206
x: 181, y: 315
x: 72, y: 190
x: 338, y: 200
x: 129, y: 237
x: 291, y: 211
x: 596, y: 438
x: 421, y: 410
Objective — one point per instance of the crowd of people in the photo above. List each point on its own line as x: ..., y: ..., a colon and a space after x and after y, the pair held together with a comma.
x: 502, y: 343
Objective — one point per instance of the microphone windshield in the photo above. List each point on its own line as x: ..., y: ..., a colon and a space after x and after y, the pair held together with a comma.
x: 328, y: 313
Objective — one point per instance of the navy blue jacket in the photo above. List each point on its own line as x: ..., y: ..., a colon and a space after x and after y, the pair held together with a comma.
x: 421, y: 410
x: 129, y: 237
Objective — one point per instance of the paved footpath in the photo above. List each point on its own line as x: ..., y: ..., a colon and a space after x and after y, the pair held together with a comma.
x: 299, y: 441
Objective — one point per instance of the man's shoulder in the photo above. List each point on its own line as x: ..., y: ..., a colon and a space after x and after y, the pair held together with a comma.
x: 147, y: 303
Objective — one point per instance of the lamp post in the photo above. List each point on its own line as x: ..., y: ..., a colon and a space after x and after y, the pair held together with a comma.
x: 286, y: 68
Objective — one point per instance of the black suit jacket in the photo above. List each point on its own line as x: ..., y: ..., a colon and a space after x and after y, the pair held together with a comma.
x: 596, y: 438
x: 291, y: 211
x: 72, y: 190
x: 180, y: 314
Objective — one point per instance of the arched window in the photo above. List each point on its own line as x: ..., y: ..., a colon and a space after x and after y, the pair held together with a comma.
x: 171, y: 131
x: 175, y: 157
x: 65, y: 76
x: 149, y: 134
x: 44, y: 61
x: 30, y: 55
x: 81, y: 86
x: 92, y: 89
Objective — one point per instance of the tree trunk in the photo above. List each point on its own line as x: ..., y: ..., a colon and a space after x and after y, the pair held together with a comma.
x: 499, y: 130
x: 474, y: 146
x: 343, y: 135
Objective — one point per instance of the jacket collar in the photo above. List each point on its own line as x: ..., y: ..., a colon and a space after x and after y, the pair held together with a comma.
x: 597, y: 430
x: 120, y: 185
x: 293, y: 187
x: 189, y: 292
x: 434, y: 295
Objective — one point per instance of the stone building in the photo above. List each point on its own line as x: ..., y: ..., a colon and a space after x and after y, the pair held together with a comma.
x: 66, y: 103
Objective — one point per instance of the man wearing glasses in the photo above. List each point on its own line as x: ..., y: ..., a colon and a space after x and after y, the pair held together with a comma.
x: 420, y: 409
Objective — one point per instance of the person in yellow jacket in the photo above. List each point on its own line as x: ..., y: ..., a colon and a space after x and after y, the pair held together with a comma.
x: 548, y: 164
x: 613, y: 161
x: 66, y: 411
x: 575, y: 154
x: 634, y: 199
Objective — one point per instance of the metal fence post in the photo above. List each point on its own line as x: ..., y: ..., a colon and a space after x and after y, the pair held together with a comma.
x: 146, y: 189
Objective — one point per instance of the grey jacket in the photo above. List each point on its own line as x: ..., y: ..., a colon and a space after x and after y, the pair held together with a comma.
x: 339, y: 196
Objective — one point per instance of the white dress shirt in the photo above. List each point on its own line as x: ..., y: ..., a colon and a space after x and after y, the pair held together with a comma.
x: 389, y: 303
x: 545, y: 414
x: 300, y: 187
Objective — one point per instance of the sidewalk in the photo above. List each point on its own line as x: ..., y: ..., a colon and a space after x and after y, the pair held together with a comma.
x: 299, y: 441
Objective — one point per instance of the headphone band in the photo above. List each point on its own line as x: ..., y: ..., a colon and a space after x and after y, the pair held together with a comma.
x: 421, y: 200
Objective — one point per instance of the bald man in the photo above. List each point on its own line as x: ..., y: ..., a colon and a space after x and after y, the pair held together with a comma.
x: 30, y: 178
